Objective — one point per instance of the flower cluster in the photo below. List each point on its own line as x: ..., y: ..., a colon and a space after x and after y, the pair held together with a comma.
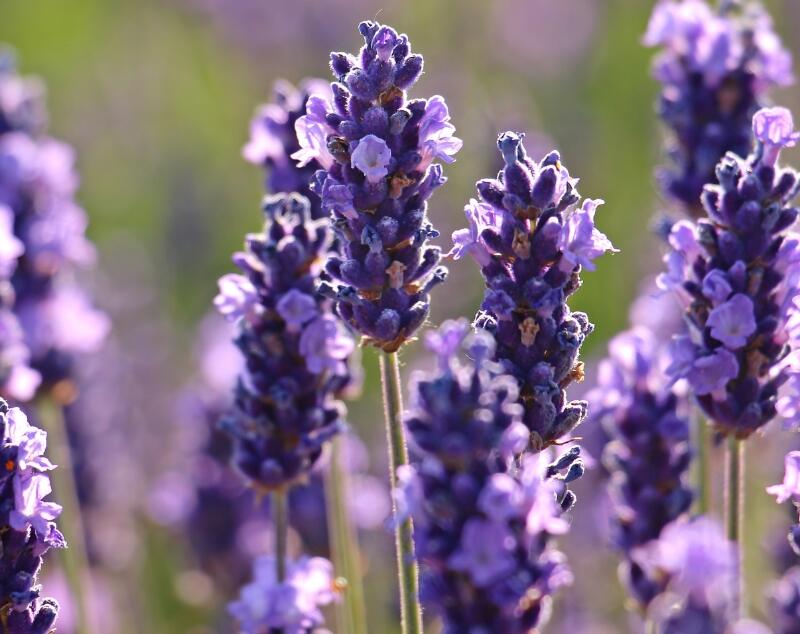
x: 295, y: 350
x: 531, y: 243
x: 648, y: 455
x: 482, y: 521
x: 377, y: 149
x: 45, y: 317
x: 784, y: 594
x: 273, y: 140
x: 697, y: 565
x: 736, y: 276
x: 27, y: 529
x: 290, y: 606
x: 715, y: 69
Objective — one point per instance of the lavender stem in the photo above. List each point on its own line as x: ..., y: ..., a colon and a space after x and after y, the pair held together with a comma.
x: 280, y: 520
x: 344, y: 546
x: 734, y: 512
x: 702, y: 443
x: 650, y: 626
x: 410, y: 612
x: 75, y: 560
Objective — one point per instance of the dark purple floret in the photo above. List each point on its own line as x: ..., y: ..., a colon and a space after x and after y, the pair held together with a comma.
x: 377, y: 150
x: 648, y: 453
x: 483, y: 518
x: 715, y: 69
x: 736, y: 276
x: 273, y: 140
x: 295, y: 350
x: 531, y: 242
x: 27, y: 527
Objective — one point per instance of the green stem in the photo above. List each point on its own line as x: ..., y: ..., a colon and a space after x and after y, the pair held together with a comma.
x: 702, y: 442
x: 74, y: 558
x: 280, y: 521
x: 650, y: 626
x: 734, y: 512
x: 344, y: 546
x: 410, y: 612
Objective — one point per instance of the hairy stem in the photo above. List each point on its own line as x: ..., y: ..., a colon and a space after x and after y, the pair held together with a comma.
x: 344, y: 546
x: 702, y: 443
x: 410, y: 611
x: 280, y: 520
x: 734, y: 512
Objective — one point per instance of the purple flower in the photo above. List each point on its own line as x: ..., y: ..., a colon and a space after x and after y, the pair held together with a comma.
x: 10, y: 246
x: 647, y: 455
x: 733, y: 322
x: 717, y: 289
x: 237, y: 298
x: 715, y: 68
x: 531, y: 243
x: 326, y: 345
x: 446, y: 340
x: 293, y: 606
x: 378, y: 174
x: 294, y: 349
x: 711, y: 373
x: 297, y: 308
x: 483, y: 518
x: 580, y: 241
x: 312, y: 132
x: 27, y: 528
x: 486, y: 552
x: 371, y: 155
x: 736, y: 274
x: 480, y: 216
x: 789, y: 489
x: 774, y: 127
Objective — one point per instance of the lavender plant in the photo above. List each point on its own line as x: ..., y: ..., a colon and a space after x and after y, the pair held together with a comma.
x: 294, y: 349
x: 648, y: 455
x: 27, y: 527
x: 531, y: 242
x: 483, y: 521
x: 45, y: 313
x: 378, y: 150
x: 784, y: 594
x: 715, y: 68
x: 696, y: 564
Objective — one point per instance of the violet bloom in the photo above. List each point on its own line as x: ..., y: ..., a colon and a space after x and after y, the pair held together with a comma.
x: 531, y: 243
x: 286, y: 404
x: 697, y: 565
x: 648, y: 454
x: 715, y: 68
x: 736, y: 276
x: 483, y: 518
x: 378, y: 150
x: 291, y: 606
x: 27, y: 527
x: 38, y: 259
x: 273, y: 140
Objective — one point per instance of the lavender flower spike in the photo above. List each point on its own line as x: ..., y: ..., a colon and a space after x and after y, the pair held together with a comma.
x: 715, y: 69
x: 531, y: 241
x: 482, y: 520
x: 736, y: 275
x: 286, y: 404
x: 379, y: 151
x: 27, y: 528
x: 648, y: 455
x: 291, y: 606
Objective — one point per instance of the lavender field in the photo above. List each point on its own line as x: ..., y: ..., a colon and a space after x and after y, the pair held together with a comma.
x: 448, y: 316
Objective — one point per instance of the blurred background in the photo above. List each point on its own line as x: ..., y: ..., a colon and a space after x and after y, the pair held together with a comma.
x: 156, y: 97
